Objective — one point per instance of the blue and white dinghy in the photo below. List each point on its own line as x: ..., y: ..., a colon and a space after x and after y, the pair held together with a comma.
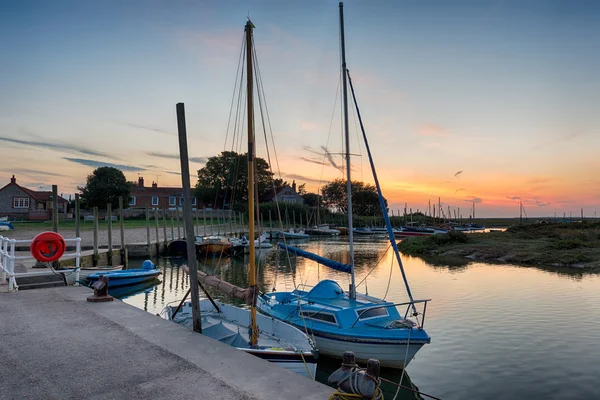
x: 128, y: 276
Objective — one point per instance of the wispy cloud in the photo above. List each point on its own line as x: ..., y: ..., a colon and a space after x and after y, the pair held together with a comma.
x: 56, y: 146
x: 29, y: 172
x: 473, y: 199
x: 312, y: 160
x: 458, y: 190
x: 97, y: 164
x: 197, y: 160
x: 458, y: 173
x: 513, y: 197
x: 149, y: 128
x: 431, y: 130
x: 302, y: 178
x: 330, y: 158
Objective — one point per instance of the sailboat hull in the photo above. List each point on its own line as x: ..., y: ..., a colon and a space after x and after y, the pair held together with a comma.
x: 391, y: 355
x: 278, y: 343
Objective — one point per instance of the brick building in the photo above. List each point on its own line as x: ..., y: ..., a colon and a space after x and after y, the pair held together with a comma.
x: 158, y: 197
x: 18, y: 202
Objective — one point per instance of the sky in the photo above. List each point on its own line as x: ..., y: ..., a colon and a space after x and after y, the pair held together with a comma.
x: 491, y: 102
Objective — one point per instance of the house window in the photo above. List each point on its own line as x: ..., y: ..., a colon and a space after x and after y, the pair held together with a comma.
x: 154, y: 200
x: 21, y: 202
x: 193, y: 201
x: 181, y: 201
x: 132, y: 201
x: 172, y: 201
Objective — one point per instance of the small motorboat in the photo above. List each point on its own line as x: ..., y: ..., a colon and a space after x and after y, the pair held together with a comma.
x: 292, y: 234
x: 128, y: 276
x: 6, y: 226
x: 84, y: 273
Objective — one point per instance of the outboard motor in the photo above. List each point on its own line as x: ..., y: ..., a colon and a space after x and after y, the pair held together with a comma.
x: 147, y: 264
x: 350, y: 379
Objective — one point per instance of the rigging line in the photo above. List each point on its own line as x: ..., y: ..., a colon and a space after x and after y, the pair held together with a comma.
x: 373, y: 269
x: 240, y: 65
x: 381, y: 200
x: 359, y: 146
x: 260, y: 89
x: 389, y: 277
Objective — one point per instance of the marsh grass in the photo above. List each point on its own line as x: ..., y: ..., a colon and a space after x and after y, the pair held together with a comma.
x: 551, y: 244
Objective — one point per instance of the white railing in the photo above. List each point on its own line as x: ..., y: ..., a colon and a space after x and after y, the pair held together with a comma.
x: 7, y: 261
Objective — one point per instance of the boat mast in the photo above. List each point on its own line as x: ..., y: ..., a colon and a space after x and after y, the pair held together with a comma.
x: 251, y: 149
x: 347, y: 137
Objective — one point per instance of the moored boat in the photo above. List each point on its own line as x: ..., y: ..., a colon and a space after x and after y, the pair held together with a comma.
x: 345, y: 320
x: 409, y: 231
x: 128, y: 276
x: 281, y: 344
x: 242, y: 328
x: 292, y: 234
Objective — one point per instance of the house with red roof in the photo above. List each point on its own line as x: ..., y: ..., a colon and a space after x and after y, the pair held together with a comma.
x: 18, y: 202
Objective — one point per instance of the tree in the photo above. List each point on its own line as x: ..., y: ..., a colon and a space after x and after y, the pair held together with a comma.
x: 302, y: 189
x: 224, y: 179
x: 104, y: 186
x: 311, y: 199
x: 365, y: 200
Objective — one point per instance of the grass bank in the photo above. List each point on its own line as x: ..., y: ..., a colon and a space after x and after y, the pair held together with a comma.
x: 557, y: 244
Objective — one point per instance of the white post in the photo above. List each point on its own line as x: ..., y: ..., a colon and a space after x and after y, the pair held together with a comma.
x: 77, y: 259
x: 3, y: 260
x: 12, y: 283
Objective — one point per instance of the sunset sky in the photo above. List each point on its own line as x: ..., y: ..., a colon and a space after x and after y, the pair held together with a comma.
x: 491, y: 101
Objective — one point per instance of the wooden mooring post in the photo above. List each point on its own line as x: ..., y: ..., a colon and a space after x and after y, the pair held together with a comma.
x: 54, y: 208
x: 204, y: 217
x: 172, y: 227
x: 123, y: 250
x: 156, y: 232
x: 164, y: 218
x: 109, y: 221
x: 148, y: 228
x: 178, y: 224
x: 187, y: 209
x: 95, y: 255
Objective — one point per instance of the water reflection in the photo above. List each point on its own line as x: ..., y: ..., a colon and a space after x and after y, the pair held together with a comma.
x: 498, y: 330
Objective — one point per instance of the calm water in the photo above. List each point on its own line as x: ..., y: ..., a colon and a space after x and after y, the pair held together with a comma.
x: 498, y: 331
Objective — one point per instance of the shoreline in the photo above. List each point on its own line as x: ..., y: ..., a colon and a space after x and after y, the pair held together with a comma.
x: 566, y: 245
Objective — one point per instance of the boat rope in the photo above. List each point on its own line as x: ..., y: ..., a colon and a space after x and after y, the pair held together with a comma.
x: 374, y: 267
x: 352, y: 379
x: 381, y: 199
x: 389, y: 278
x: 408, y: 388
x: 403, y: 369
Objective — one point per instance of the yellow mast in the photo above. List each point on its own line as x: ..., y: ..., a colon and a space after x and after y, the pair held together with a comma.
x: 251, y: 150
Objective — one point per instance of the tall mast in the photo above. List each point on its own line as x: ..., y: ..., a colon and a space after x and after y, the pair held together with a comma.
x: 347, y: 137
x: 251, y: 149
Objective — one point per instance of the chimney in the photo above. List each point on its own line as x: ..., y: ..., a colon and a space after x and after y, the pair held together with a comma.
x: 294, y: 185
x: 13, y: 179
x: 141, y: 182
x: 154, y: 185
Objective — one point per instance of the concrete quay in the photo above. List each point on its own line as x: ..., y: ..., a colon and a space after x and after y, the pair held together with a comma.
x: 56, y: 345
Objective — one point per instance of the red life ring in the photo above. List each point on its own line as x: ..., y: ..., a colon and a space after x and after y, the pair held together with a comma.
x: 48, y: 247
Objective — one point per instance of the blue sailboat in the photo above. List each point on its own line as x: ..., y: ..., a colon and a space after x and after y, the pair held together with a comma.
x: 345, y: 320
